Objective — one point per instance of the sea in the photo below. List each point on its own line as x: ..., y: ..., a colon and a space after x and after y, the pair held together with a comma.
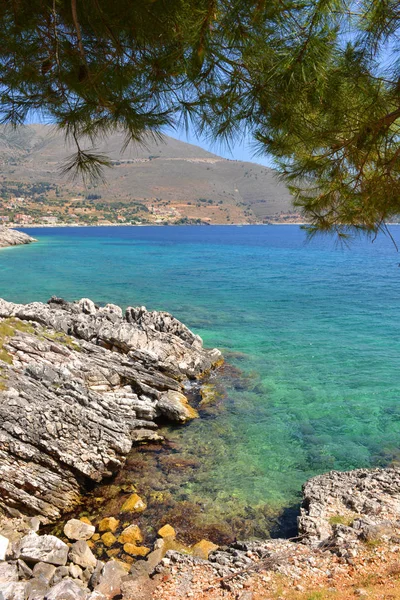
x: 310, y: 332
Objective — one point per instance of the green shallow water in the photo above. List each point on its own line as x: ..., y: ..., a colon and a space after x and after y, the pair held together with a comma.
x: 313, y: 328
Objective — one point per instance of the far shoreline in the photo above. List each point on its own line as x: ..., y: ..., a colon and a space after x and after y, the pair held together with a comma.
x: 99, y: 225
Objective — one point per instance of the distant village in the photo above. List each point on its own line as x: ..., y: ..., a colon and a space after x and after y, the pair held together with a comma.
x: 45, y: 204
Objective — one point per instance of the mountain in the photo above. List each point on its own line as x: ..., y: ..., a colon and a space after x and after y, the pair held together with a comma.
x: 169, y: 180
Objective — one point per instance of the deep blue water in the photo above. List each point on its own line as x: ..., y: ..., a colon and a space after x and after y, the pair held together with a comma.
x: 314, y: 327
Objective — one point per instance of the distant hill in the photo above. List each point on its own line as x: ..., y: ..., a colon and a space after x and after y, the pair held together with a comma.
x: 171, y: 181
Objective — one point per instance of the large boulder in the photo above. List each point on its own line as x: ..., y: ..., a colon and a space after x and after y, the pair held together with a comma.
x: 35, y: 548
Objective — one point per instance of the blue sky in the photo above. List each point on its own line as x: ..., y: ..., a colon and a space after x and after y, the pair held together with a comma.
x: 242, y: 150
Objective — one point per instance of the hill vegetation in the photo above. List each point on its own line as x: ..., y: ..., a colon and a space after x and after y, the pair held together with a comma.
x: 170, y: 182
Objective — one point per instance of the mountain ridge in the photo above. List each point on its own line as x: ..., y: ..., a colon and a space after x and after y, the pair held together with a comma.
x: 155, y: 182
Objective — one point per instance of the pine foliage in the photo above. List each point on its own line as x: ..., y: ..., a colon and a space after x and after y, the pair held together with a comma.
x: 315, y: 82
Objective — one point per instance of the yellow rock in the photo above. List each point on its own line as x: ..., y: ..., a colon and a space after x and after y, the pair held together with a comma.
x: 108, y: 524
x: 85, y: 520
x: 209, y: 394
x: 167, y: 531
x: 203, y: 548
x: 90, y: 544
x: 176, y: 407
x: 113, y: 552
x: 136, y: 550
x: 95, y: 537
x: 131, y: 535
x: 133, y: 504
x: 108, y: 539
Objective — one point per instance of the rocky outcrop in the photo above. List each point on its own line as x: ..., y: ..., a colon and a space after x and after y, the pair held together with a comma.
x: 341, y: 510
x: 11, y: 237
x: 78, y: 385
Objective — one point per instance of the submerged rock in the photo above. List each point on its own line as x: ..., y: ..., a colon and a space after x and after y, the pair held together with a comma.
x: 134, y: 504
x: 131, y: 535
x: 78, y: 385
x: 166, y: 531
x: 108, y: 524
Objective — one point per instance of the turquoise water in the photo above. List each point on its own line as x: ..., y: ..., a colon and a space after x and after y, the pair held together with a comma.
x: 313, y: 327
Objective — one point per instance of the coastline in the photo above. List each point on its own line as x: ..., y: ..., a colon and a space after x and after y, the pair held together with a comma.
x: 344, y: 524
x: 98, y: 225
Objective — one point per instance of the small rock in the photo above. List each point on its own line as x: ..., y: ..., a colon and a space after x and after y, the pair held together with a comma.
x: 59, y: 574
x: 76, y: 572
x: 153, y: 559
x: 131, y: 535
x: 203, y: 548
x: 67, y: 589
x: 110, y: 579
x: 36, y: 589
x: 4, y: 543
x: 8, y: 572
x: 108, y: 524
x: 108, y: 539
x: 360, y: 592
x: 167, y: 531
x: 78, y: 530
x: 87, y: 574
x: 44, y: 571
x: 95, y: 578
x: 175, y: 406
x: 12, y: 590
x: 134, y: 550
x: 24, y: 571
x: 81, y: 555
x: 133, y: 504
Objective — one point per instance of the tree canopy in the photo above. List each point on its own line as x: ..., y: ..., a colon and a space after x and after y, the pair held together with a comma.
x: 315, y: 82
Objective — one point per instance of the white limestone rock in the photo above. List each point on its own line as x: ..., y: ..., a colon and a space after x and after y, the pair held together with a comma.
x: 35, y: 548
x: 4, y: 544
x: 78, y: 530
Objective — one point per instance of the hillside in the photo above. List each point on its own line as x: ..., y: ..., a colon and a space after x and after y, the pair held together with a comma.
x: 170, y: 181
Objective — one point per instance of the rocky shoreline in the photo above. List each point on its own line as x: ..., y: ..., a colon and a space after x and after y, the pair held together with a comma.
x: 79, y: 385
x: 11, y: 237
x: 347, y: 520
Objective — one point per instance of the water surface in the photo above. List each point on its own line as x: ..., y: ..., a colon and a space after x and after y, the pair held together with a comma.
x: 313, y: 328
